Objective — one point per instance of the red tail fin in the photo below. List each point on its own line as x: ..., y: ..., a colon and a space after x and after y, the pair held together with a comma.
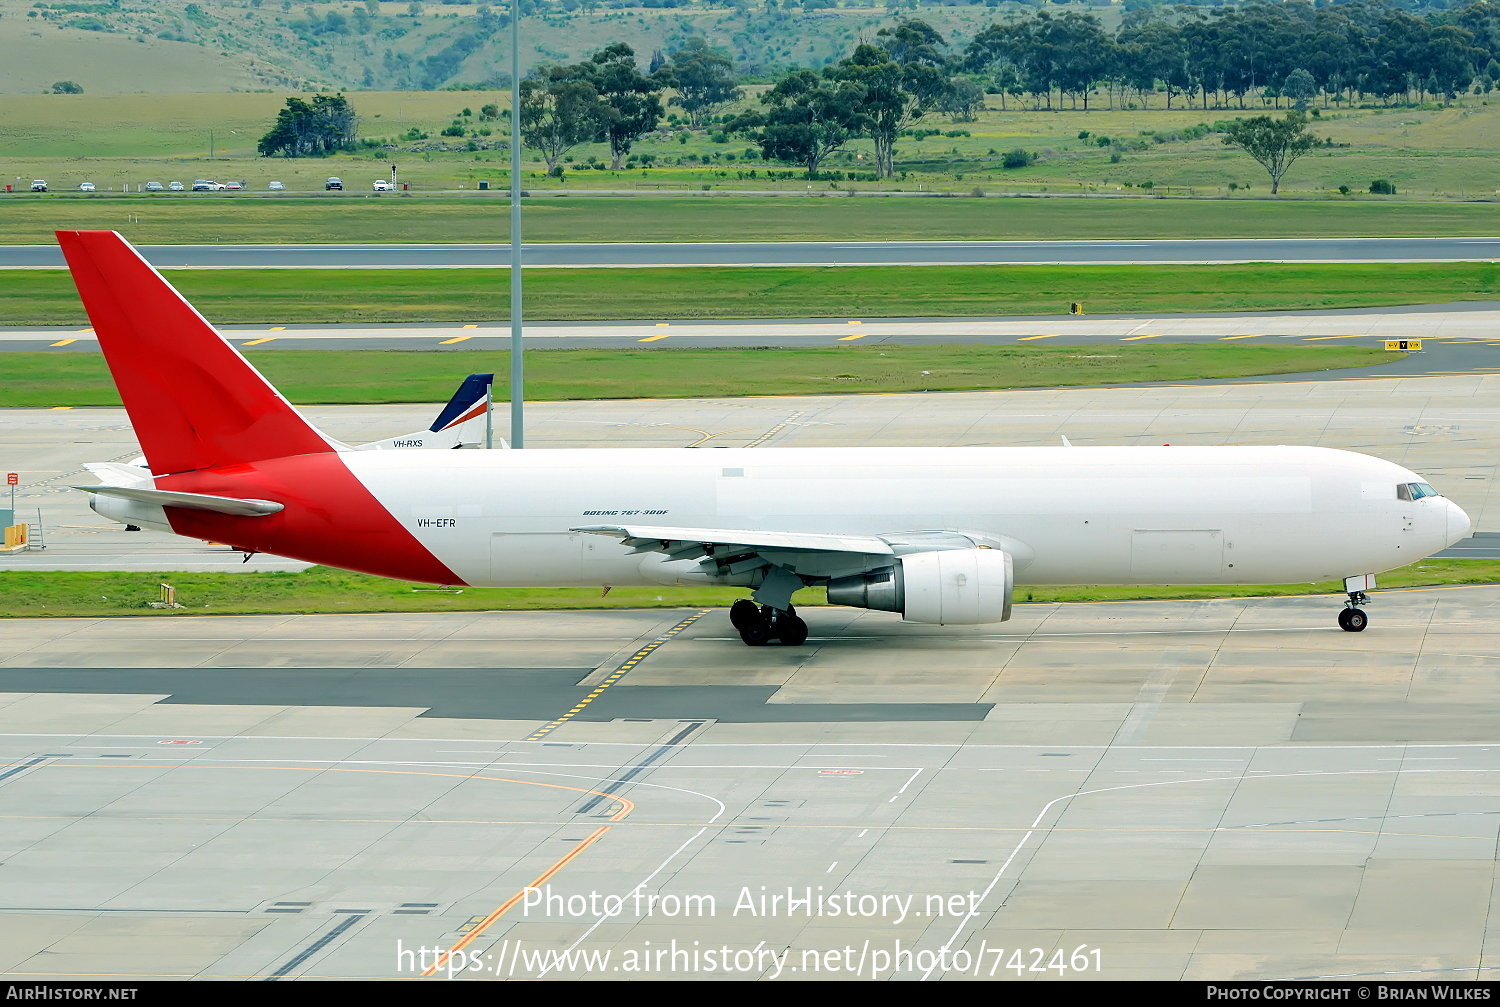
x: 194, y: 401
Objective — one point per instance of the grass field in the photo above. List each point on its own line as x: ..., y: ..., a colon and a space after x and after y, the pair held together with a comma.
x: 365, y: 376
x: 1428, y: 152
x: 177, y: 127
x: 44, y: 297
x: 241, y: 218
x: 320, y: 589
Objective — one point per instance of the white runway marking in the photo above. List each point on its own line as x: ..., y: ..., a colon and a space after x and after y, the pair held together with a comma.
x: 904, y: 786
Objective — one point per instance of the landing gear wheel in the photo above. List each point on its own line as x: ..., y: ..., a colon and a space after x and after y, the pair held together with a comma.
x: 755, y: 634
x: 1353, y: 620
x: 744, y: 612
x: 791, y: 630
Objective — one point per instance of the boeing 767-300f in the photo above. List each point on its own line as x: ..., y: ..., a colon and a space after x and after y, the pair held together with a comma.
x: 939, y: 535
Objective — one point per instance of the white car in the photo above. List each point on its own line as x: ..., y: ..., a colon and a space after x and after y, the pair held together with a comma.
x: 276, y: 187
x: 153, y: 187
x: 86, y: 187
x: 381, y: 185
x: 175, y: 186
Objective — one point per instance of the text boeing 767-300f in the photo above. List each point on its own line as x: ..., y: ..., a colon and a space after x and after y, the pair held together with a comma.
x: 939, y: 535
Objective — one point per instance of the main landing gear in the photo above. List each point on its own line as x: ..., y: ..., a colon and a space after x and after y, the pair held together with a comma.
x: 758, y: 625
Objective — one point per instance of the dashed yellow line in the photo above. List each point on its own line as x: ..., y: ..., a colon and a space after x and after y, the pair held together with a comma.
x: 277, y: 328
x: 471, y: 326
x: 455, y: 339
x: 1149, y: 335
x: 262, y: 339
x: 663, y: 325
x: 652, y: 339
x: 506, y: 906
x: 1318, y: 339
x: 854, y: 322
x: 65, y: 342
x: 857, y: 335
x: 776, y: 429
x: 619, y: 673
x: 1248, y: 335
x: 58, y: 409
x: 1050, y: 335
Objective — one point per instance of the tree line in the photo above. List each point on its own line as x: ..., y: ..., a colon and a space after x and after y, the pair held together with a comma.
x: 877, y: 92
x: 1292, y: 53
x: 1286, y: 51
x: 1348, y: 51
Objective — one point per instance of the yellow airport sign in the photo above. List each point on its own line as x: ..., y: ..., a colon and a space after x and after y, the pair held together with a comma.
x: 1409, y: 345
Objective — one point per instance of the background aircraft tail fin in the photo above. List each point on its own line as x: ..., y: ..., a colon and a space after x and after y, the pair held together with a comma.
x: 459, y: 425
x: 193, y: 400
x: 467, y: 404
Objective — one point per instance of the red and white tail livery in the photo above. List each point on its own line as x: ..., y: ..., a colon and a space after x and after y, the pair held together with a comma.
x: 938, y: 535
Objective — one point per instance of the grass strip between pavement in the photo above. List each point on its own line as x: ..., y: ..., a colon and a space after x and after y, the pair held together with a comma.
x: 384, y: 376
x: 30, y: 594
x: 242, y: 218
x: 354, y: 296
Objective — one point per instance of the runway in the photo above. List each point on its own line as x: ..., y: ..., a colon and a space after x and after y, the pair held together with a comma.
x: 1465, y: 333
x: 792, y: 253
x: 1199, y: 790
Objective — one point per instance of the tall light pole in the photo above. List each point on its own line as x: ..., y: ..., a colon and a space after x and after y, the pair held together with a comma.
x: 517, y: 390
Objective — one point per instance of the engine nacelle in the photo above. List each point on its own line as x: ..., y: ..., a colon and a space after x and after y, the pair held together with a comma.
x: 949, y: 587
x: 130, y: 512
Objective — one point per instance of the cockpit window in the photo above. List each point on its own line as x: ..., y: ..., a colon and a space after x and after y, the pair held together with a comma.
x: 1414, y: 491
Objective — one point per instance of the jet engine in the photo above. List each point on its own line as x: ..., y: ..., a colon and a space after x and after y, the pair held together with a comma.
x: 952, y: 587
x: 131, y: 513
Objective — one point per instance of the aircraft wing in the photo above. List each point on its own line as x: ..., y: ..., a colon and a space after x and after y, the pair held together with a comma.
x: 813, y: 556
x: 672, y: 541
x: 720, y: 552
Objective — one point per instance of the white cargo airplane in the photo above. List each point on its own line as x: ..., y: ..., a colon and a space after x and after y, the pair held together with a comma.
x: 939, y: 535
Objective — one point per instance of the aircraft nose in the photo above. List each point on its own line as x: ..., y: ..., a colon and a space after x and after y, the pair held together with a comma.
x: 1458, y: 523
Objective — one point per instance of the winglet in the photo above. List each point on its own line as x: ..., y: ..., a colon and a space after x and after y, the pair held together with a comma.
x: 193, y: 400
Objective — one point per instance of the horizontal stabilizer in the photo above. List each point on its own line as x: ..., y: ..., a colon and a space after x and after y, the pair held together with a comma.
x: 120, y: 473
x: 801, y: 541
x: 191, y: 501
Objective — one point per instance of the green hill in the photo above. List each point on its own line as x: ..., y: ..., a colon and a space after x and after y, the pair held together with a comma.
x: 238, y: 45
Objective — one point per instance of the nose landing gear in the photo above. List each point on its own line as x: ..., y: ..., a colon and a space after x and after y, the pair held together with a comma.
x: 759, y: 624
x: 1353, y: 619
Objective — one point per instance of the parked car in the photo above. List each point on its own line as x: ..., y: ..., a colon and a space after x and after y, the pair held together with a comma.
x: 153, y: 187
x: 175, y: 186
x: 206, y: 185
x: 334, y: 183
x: 381, y: 185
x: 38, y: 185
x: 85, y: 186
x: 276, y: 187
x: 232, y: 186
